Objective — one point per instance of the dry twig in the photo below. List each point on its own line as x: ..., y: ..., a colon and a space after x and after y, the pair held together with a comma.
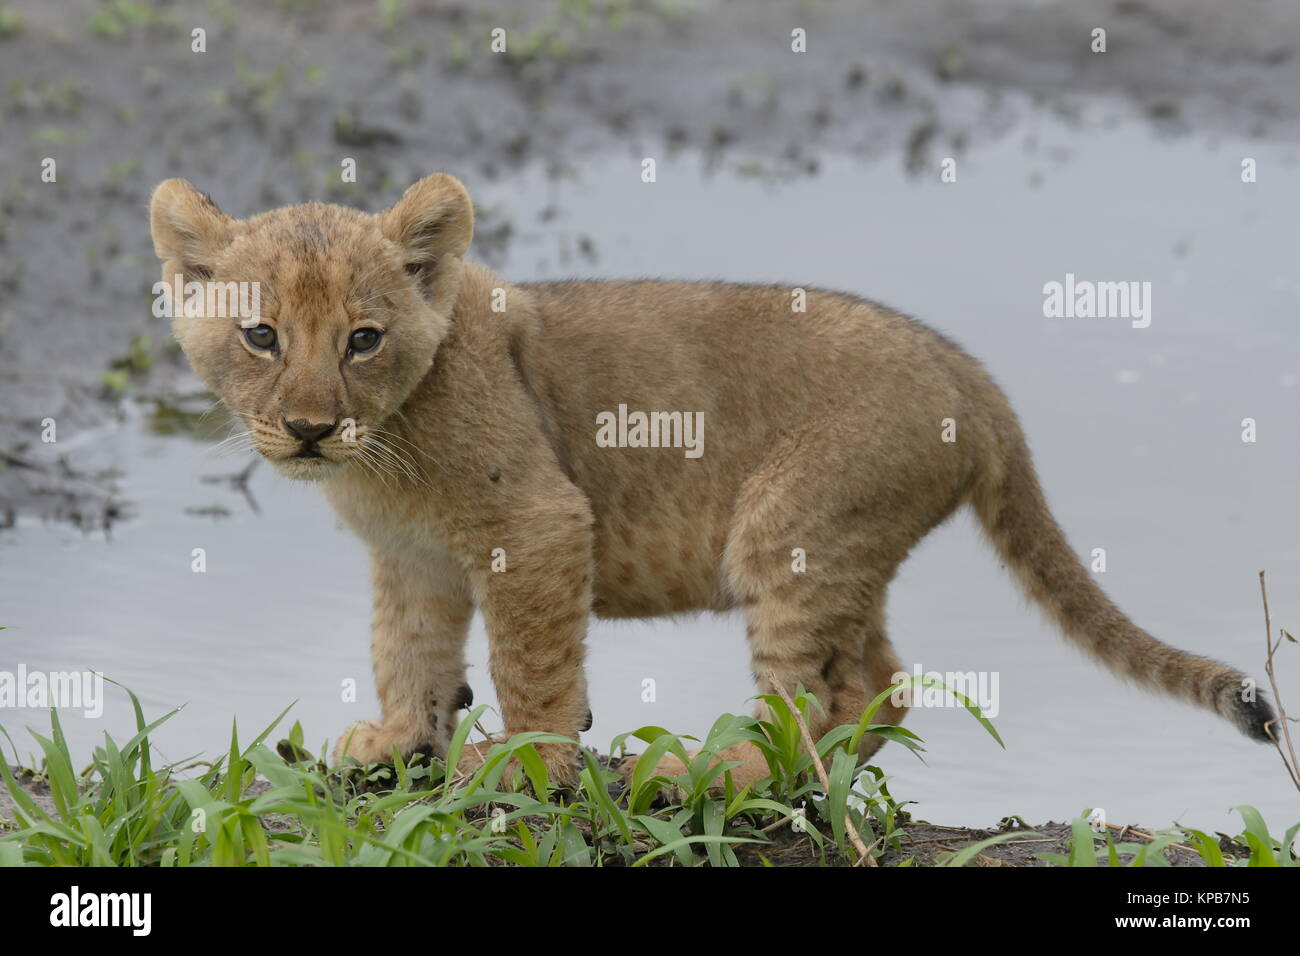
x: 1290, y: 762
x: 864, y: 854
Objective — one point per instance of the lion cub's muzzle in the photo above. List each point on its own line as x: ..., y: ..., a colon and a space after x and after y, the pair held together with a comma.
x: 309, y: 433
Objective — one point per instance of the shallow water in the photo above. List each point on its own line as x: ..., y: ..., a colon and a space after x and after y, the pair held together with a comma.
x: 1136, y: 432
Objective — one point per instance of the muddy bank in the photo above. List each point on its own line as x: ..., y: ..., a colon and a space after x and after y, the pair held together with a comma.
x: 925, y: 844
x: 284, y: 93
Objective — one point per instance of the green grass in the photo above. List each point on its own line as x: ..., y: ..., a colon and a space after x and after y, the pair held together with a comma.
x: 259, y: 806
x: 554, y: 30
x: 136, y: 360
x: 1257, y: 847
x: 113, y: 19
x: 10, y: 22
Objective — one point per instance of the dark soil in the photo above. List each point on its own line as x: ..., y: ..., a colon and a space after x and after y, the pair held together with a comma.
x: 285, y: 90
x: 920, y: 842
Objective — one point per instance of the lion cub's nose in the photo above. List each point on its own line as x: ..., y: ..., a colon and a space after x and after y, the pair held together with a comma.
x: 307, y: 431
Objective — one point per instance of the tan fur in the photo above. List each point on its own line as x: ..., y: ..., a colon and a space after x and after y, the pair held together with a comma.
x: 476, y: 432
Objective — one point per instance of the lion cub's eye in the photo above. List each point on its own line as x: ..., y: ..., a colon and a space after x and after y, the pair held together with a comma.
x: 364, y: 340
x: 261, y: 337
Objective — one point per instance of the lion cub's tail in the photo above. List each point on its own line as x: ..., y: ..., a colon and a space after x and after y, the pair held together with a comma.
x: 1011, y: 506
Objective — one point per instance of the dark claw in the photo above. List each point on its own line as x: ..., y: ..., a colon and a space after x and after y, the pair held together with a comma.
x: 587, y: 725
x: 291, y: 754
x: 464, y: 697
x: 424, y: 750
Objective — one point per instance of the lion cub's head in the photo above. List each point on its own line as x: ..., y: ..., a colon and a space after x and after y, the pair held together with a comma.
x: 350, y: 309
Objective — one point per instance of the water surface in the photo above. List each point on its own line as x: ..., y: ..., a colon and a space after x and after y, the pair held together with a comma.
x: 1136, y: 433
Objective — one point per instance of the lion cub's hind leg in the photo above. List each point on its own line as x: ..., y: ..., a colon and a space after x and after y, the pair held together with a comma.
x: 837, y: 651
x: 811, y: 574
x: 810, y: 558
x: 829, y: 638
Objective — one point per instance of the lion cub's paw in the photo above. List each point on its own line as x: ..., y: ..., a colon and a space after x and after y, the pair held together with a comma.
x: 668, y: 766
x: 561, y: 761
x: 752, y: 769
x: 371, y: 742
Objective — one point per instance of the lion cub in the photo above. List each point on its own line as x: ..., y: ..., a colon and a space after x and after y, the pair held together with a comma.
x: 538, y: 452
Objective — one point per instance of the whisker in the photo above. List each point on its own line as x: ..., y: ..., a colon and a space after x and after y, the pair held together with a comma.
x: 386, y: 454
x: 379, y: 295
x: 366, y: 459
x: 233, y: 445
x: 407, y: 442
x: 398, y: 453
x: 209, y: 410
x: 396, y: 459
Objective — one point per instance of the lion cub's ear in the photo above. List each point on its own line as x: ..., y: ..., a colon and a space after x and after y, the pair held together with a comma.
x: 432, y: 220
x: 188, y: 228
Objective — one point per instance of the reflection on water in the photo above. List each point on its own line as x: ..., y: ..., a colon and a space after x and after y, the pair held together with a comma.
x: 1136, y: 433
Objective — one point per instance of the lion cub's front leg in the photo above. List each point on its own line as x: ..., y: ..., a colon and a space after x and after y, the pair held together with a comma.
x: 421, y: 620
x: 536, y: 604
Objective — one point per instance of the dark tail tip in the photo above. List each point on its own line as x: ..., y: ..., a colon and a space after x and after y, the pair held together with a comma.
x: 1254, y: 717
